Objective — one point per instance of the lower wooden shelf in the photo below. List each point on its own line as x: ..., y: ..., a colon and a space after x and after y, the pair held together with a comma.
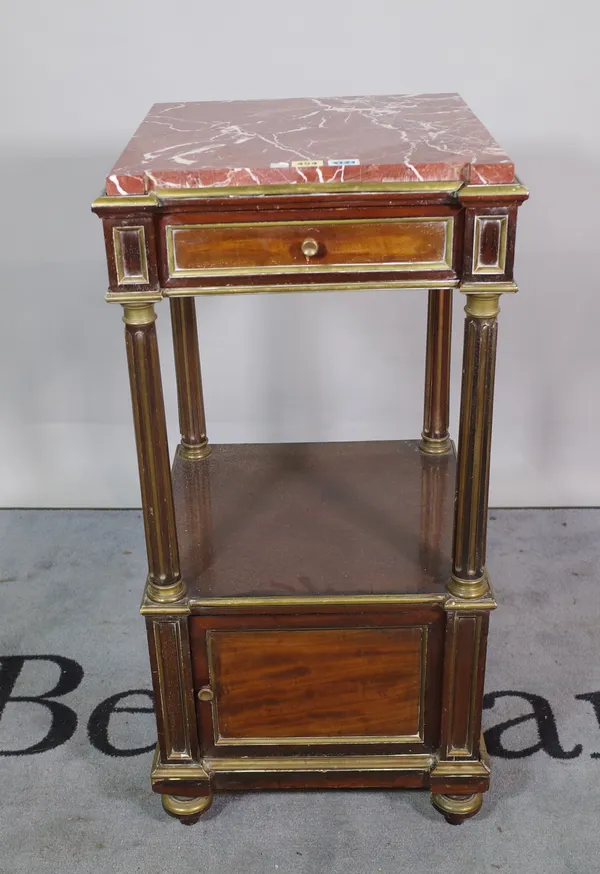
x: 314, y: 520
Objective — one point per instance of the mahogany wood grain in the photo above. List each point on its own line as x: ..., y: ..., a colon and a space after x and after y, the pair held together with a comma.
x: 280, y: 244
x: 385, y: 779
x: 398, y: 622
x: 199, y: 247
x: 315, y: 519
x: 351, y: 682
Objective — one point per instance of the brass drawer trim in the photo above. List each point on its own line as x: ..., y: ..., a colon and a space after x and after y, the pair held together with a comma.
x: 176, y: 272
x: 406, y: 762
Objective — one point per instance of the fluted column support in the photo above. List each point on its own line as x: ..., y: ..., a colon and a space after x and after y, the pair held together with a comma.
x: 164, y: 577
x: 435, y: 439
x: 192, y: 419
x: 469, y: 578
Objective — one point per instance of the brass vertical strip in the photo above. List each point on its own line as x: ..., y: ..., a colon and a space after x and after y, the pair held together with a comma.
x: 464, y: 749
x: 472, y: 484
x: 192, y: 418
x: 436, y: 413
x: 164, y: 577
x: 464, y: 662
x: 170, y: 658
x: 423, y: 681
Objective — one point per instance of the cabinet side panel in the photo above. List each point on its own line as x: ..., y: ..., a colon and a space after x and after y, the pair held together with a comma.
x: 464, y: 671
x: 170, y: 661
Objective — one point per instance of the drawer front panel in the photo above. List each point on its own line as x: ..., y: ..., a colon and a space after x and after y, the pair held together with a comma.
x: 318, y: 685
x: 409, y: 244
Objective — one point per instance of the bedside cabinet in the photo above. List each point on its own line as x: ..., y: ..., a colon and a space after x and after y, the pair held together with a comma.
x: 317, y: 613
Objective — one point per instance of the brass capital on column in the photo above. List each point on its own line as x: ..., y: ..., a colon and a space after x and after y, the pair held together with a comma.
x: 138, y: 313
x: 483, y: 306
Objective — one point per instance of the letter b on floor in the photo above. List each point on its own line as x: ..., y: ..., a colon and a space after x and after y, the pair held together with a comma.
x: 63, y: 718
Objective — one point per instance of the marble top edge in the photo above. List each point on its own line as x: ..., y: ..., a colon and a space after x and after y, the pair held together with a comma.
x: 354, y: 139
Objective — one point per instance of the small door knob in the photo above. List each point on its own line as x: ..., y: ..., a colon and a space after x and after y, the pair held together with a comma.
x: 309, y: 247
x: 205, y: 694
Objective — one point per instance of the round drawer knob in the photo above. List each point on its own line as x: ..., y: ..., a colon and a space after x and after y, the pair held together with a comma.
x: 205, y: 694
x: 309, y: 247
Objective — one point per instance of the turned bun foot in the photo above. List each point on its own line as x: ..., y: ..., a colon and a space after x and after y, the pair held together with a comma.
x: 186, y: 810
x: 457, y: 808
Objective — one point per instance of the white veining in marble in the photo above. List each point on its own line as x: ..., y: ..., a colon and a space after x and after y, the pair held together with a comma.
x: 396, y: 138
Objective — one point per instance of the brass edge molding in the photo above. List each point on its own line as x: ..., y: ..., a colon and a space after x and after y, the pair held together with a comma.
x: 509, y: 191
x: 306, y: 740
x: 450, y: 768
x: 154, y: 608
x: 408, y: 762
x: 315, y: 600
x: 176, y: 272
x: 125, y: 201
x: 488, y: 287
x: 485, y: 602
x: 514, y: 190
x: 293, y: 188
x: 174, y: 771
x: 482, y: 306
x: 132, y: 297
x: 447, y: 220
x: 153, y: 198
x: 500, y: 266
x: 274, y: 288
x: 138, y: 313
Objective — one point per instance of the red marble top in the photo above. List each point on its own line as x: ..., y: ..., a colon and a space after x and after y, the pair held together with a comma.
x: 410, y: 137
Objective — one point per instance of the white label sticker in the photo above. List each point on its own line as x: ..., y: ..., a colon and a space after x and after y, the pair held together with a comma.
x: 307, y: 163
x: 343, y: 162
x: 279, y: 165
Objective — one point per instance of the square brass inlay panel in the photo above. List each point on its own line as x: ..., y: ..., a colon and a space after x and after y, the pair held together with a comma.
x: 491, y: 233
x: 130, y: 255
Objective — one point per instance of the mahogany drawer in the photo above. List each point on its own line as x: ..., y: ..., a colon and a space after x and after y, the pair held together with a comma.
x: 339, y: 246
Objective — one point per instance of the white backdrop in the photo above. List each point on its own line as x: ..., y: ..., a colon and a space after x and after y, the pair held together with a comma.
x: 75, y: 81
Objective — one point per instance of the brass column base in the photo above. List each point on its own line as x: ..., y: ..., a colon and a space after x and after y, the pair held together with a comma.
x: 457, y: 808
x: 468, y: 588
x: 435, y: 445
x: 186, y: 810
x: 191, y: 453
x: 165, y: 594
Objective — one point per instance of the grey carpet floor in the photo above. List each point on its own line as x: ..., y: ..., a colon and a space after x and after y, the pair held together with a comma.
x: 70, y: 584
